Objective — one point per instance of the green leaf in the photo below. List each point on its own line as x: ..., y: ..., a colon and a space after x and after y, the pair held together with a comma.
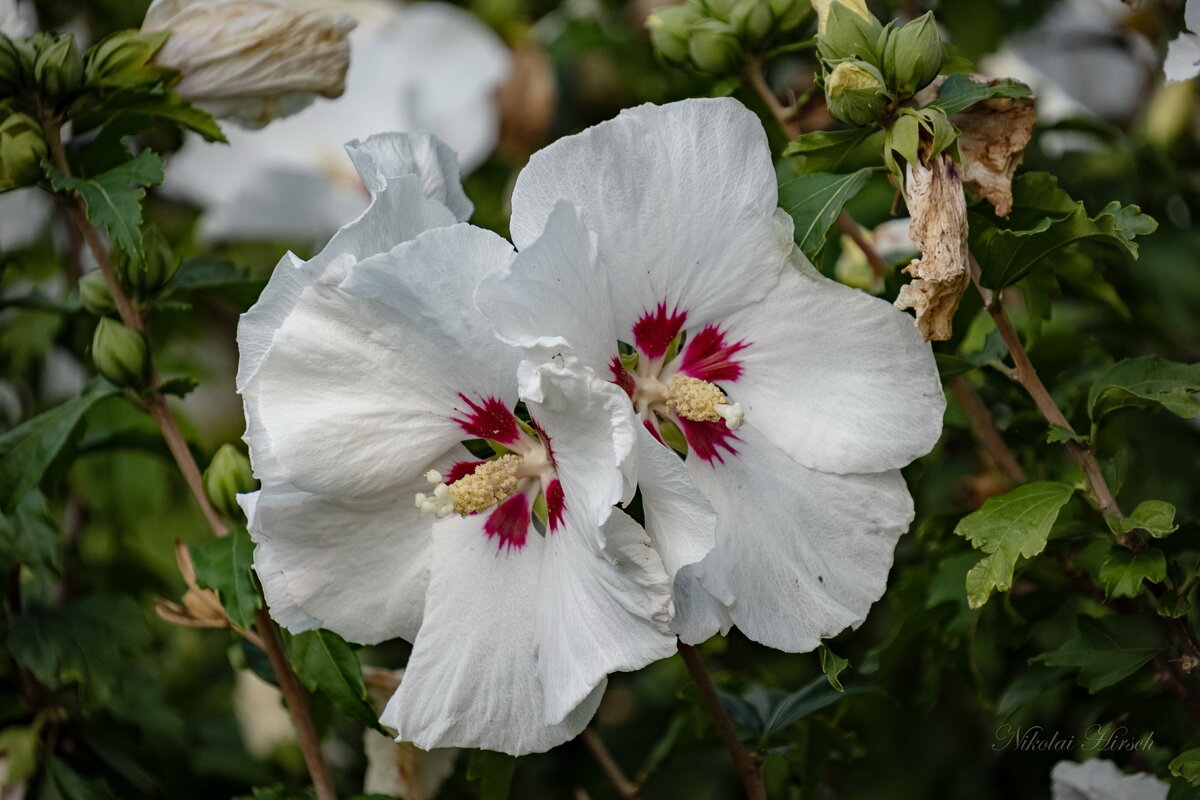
x: 157, y: 102
x: 815, y: 200
x: 28, y: 536
x: 1060, y: 435
x: 28, y: 450
x: 1172, y: 605
x: 179, y: 387
x: 326, y: 664
x: 216, y: 276
x: 1122, y: 572
x: 833, y: 665
x: 1186, y: 765
x: 1008, y: 527
x: 959, y: 92
x: 1156, y: 517
x: 1108, y: 649
x: 1144, y: 382
x: 113, y: 199
x: 63, y: 783
x: 224, y: 564
x: 834, y: 151
x: 494, y: 771
x: 1027, y: 687
x: 20, y: 745
x: 950, y: 367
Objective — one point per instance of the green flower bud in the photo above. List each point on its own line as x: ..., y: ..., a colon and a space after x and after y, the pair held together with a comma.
x: 11, y: 66
x: 122, y: 60
x: 912, y: 55
x: 669, y: 28
x: 94, y: 295
x: 714, y: 47
x: 144, y: 278
x: 789, y: 13
x: 856, y: 94
x: 721, y: 10
x: 849, y: 32
x: 58, y: 68
x: 823, y: 7
x: 119, y: 353
x: 227, y: 476
x: 22, y: 149
x: 752, y: 19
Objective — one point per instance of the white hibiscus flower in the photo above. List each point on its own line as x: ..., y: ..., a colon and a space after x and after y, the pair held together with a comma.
x: 427, y: 67
x: 1183, y: 54
x: 796, y: 399
x: 1103, y: 780
x: 364, y: 372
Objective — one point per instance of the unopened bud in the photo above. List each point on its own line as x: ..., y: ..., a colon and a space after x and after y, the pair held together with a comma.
x: 848, y: 30
x: 22, y: 149
x: 912, y: 55
x: 752, y: 19
x: 714, y: 47
x: 856, y: 94
x: 145, y: 277
x: 58, y: 67
x: 670, y: 28
x: 252, y: 60
x: 94, y: 295
x: 227, y: 476
x: 119, y: 353
x: 823, y: 8
x: 721, y: 10
x: 122, y: 60
x: 789, y: 13
x: 11, y: 67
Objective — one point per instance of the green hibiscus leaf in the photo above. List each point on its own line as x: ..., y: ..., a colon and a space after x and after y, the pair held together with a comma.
x: 1186, y: 765
x: 1156, y: 517
x: 144, y: 102
x: 960, y: 92
x: 113, y: 199
x: 1144, y: 382
x: 28, y: 536
x: 833, y: 665
x: 837, y: 151
x: 224, y: 564
x: 1122, y: 572
x: 1009, y: 527
x: 325, y: 663
x: 815, y: 200
x: 1108, y: 649
x: 494, y: 771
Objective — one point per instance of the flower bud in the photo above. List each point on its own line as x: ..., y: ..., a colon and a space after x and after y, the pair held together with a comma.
x: 119, y: 353
x: 849, y: 31
x: 752, y: 19
x: 11, y: 67
x: 58, y: 67
x: 714, y: 47
x: 251, y: 60
x: 227, y: 476
x: 22, y: 149
x: 789, y: 13
x: 823, y: 8
x: 146, y: 277
x: 122, y: 60
x: 94, y: 295
x: 912, y: 55
x: 720, y: 10
x: 669, y: 30
x: 856, y: 94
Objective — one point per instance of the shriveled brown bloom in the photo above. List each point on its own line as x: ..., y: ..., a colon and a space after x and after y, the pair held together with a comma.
x: 994, y: 135
x: 252, y: 60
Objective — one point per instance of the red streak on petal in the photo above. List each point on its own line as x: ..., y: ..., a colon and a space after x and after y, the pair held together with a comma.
x: 708, y: 439
x: 492, y: 420
x: 709, y: 356
x: 650, y: 426
x: 554, y: 503
x: 509, y: 522
x: 461, y: 470
x: 654, y: 331
x: 621, y: 376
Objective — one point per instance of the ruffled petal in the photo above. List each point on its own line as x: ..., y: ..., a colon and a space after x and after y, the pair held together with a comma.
x: 553, y: 296
x: 679, y: 519
x: 838, y: 379
x: 363, y: 384
x: 801, y: 555
x: 394, y: 155
x: 358, y: 568
x: 473, y: 677
x: 682, y: 198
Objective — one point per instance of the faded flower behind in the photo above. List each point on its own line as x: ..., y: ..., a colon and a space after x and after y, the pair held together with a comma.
x: 251, y: 60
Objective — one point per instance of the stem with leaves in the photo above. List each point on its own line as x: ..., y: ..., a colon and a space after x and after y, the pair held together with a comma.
x: 749, y: 765
x: 158, y: 409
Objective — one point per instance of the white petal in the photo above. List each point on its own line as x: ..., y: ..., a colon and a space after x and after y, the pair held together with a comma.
x: 361, y: 386
x: 1099, y: 779
x: 1183, y: 58
x: 473, y: 677
x: 392, y: 155
x: 23, y: 216
x: 838, y: 379
x: 682, y: 198
x: 359, y: 569
x: 553, y: 296
x: 698, y: 615
x: 801, y: 555
x: 679, y: 519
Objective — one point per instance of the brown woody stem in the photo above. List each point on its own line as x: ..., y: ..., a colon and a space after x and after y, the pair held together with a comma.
x: 625, y: 787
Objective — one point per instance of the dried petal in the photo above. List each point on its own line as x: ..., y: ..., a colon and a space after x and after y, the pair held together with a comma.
x: 994, y: 135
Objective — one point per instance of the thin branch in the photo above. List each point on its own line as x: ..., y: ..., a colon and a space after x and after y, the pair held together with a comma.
x: 748, y: 765
x: 754, y: 76
x: 851, y: 229
x: 625, y: 787
x: 985, y: 431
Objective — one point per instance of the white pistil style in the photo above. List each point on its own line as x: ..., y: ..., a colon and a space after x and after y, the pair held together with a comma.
x: 490, y: 484
x: 701, y: 401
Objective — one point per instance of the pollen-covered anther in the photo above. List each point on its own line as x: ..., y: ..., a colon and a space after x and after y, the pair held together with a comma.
x: 490, y: 484
x: 701, y: 401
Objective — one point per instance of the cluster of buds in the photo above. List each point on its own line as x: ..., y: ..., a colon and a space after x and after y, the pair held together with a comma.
x: 872, y: 68
x: 713, y: 36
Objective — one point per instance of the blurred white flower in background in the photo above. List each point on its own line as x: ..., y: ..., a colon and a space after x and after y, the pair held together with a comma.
x: 23, y: 213
x: 427, y: 67
x: 1183, y: 55
x: 18, y: 18
x: 261, y: 715
x: 1103, y: 780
